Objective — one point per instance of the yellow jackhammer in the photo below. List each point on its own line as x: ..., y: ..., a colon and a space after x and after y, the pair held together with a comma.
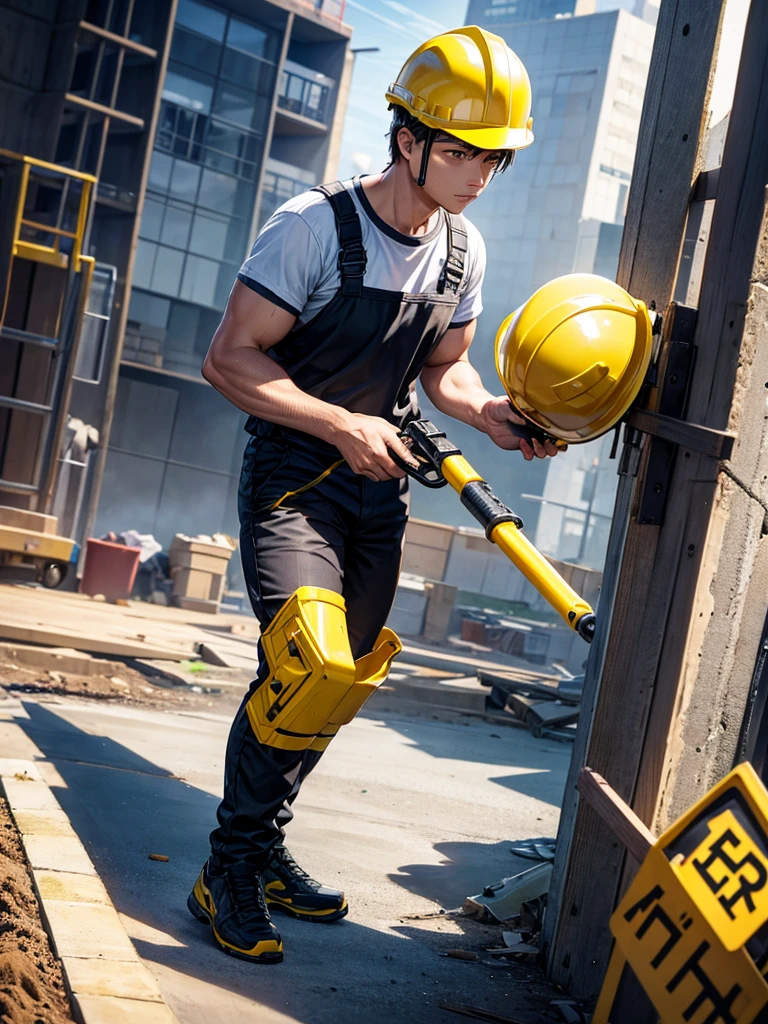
x: 441, y: 463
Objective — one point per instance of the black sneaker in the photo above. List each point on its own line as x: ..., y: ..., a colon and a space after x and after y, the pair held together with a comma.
x: 290, y: 889
x: 231, y: 900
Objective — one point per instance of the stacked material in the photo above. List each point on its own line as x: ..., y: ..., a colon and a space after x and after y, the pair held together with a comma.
x: 199, y: 570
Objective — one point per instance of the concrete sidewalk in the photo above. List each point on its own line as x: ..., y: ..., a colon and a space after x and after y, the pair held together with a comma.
x: 406, y: 814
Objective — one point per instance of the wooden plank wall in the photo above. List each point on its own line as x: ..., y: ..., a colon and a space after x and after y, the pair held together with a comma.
x: 737, y: 256
x: 706, y: 533
x: 631, y: 617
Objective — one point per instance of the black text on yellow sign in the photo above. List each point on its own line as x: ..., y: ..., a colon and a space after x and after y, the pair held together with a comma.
x: 727, y: 878
x: 678, y: 957
x: 694, y: 924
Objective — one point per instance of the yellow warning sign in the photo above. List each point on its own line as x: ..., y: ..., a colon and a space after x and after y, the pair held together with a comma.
x: 689, y: 924
x: 727, y: 878
x: 678, y: 957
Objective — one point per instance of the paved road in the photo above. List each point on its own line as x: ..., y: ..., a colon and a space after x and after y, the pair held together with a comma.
x: 405, y: 813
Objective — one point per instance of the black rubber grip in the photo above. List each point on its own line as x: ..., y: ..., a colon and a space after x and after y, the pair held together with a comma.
x: 487, y: 509
x: 528, y: 432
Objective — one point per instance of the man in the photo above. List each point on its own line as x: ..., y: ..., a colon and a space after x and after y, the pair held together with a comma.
x: 351, y: 292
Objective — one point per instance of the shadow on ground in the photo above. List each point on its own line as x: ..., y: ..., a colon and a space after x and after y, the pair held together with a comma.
x: 124, y: 807
x: 541, y: 764
x: 505, y: 744
x: 483, y: 864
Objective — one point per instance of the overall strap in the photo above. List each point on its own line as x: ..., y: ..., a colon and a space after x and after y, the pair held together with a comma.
x: 352, y: 255
x: 453, y: 269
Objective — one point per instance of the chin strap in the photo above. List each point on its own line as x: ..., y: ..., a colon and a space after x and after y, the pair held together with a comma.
x: 428, y: 141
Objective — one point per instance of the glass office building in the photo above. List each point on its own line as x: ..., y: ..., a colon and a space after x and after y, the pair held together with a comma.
x: 250, y: 108
x: 223, y: 78
x: 198, y: 118
x: 201, y: 191
x: 488, y: 12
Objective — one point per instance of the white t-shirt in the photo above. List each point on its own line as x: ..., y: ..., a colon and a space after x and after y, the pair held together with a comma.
x: 294, y: 260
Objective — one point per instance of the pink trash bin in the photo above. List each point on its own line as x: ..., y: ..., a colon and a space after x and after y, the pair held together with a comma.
x: 110, y: 569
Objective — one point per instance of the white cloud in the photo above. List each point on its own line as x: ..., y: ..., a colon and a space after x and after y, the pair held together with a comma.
x: 402, y: 9
x: 401, y: 29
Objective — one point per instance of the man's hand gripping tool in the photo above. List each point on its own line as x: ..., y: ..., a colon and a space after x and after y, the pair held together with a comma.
x: 441, y: 463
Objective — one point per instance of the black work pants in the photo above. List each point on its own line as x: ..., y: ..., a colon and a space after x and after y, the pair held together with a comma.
x: 301, y: 525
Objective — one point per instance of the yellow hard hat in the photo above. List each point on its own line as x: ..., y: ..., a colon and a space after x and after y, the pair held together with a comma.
x: 574, y: 356
x: 468, y: 82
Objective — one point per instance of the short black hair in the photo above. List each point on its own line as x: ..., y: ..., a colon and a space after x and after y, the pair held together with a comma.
x: 401, y: 118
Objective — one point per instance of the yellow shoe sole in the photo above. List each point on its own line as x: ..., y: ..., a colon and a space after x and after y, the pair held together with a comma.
x: 273, y: 955
x: 318, y: 916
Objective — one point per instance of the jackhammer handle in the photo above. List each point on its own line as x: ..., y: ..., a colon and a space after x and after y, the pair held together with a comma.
x: 441, y: 462
x: 503, y: 528
x: 545, y: 578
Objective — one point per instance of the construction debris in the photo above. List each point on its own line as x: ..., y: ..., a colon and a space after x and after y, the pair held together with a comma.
x: 534, y: 849
x: 504, y: 900
x: 532, y: 914
x: 515, y: 949
x: 548, y: 711
x: 456, y: 912
x: 542, y: 716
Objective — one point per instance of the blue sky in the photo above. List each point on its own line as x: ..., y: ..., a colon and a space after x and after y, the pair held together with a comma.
x: 397, y: 28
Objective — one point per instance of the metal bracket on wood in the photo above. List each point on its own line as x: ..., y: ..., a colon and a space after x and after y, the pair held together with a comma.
x: 666, y: 425
x: 704, y: 440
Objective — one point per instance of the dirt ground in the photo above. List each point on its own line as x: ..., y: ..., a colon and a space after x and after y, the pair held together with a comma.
x: 31, y: 983
x: 130, y: 686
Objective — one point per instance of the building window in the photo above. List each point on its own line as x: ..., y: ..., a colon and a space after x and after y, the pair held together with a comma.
x: 281, y: 182
x: 202, y: 19
x: 303, y: 91
x: 197, y: 137
x: 93, y: 333
x: 201, y: 188
x: 109, y: 14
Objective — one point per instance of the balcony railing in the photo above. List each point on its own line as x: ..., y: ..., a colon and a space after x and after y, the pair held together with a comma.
x: 305, y: 92
x: 328, y: 8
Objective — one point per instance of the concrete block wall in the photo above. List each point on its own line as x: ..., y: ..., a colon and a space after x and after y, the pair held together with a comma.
x: 462, y: 557
x: 426, y: 548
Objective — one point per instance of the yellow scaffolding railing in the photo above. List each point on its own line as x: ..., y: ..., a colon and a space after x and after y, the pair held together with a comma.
x: 37, y: 251
x: 59, y: 244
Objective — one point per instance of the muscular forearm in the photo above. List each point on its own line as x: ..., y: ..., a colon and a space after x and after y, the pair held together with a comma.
x: 257, y: 385
x: 457, y: 390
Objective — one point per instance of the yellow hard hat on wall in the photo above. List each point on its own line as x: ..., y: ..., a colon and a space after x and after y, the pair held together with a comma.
x: 574, y: 356
x: 468, y: 83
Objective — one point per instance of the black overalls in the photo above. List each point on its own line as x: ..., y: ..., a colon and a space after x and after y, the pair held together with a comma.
x: 307, y: 520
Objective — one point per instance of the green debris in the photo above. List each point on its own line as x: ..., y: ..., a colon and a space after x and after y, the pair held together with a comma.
x: 193, y: 666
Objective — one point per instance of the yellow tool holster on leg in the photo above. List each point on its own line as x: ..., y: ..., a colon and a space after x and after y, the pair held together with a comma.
x: 314, y: 686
